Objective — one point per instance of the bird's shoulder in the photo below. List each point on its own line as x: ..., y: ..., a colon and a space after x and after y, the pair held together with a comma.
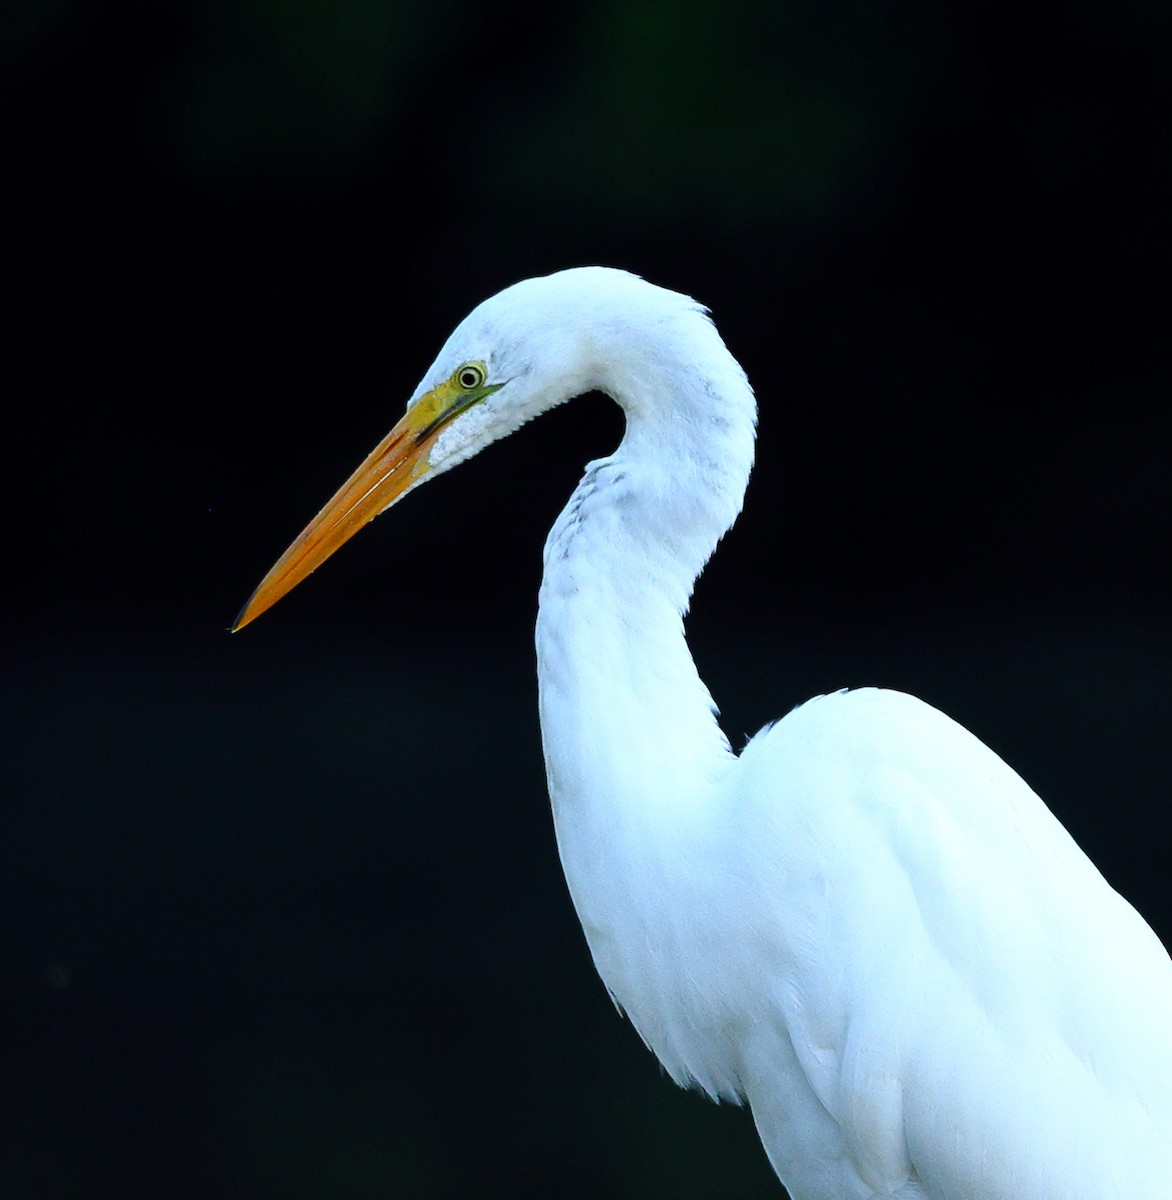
x: 901, y: 766
x: 890, y: 802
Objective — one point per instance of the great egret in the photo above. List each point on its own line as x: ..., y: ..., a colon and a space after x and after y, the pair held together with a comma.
x: 865, y: 925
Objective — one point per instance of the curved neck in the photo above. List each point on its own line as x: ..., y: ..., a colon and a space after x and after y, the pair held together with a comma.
x: 628, y: 724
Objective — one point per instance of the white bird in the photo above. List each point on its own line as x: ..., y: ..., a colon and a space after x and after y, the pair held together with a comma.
x: 865, y: 925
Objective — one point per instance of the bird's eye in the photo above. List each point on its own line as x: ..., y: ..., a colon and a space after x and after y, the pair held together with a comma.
x: 471, y: 375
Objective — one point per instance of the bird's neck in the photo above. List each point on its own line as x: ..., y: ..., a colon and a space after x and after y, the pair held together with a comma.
x: 639, y: 770
x: 632, y: 745
x: 625, y: 717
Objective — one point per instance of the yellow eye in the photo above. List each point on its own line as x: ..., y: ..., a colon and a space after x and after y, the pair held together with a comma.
x: 471, y: 376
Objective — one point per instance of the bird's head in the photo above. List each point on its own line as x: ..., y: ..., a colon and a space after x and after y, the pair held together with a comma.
x: 514, y: 356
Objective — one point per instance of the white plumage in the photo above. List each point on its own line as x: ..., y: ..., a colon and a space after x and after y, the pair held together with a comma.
x: 865, y: 925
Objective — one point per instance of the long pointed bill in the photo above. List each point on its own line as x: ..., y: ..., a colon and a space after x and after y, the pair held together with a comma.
x: 397, y: 462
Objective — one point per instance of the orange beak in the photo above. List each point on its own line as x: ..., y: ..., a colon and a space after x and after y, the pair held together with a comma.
x: 397, y: 463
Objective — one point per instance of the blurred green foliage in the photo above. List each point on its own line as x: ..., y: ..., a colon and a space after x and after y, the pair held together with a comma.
x: 298, y: 85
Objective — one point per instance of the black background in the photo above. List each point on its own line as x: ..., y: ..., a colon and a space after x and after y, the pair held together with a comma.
x: 285, y: 914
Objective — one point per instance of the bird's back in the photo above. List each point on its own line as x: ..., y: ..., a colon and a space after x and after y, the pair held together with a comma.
x: 961, y: 1005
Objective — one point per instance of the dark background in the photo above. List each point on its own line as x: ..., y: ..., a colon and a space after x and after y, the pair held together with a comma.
x: 284, y: 912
